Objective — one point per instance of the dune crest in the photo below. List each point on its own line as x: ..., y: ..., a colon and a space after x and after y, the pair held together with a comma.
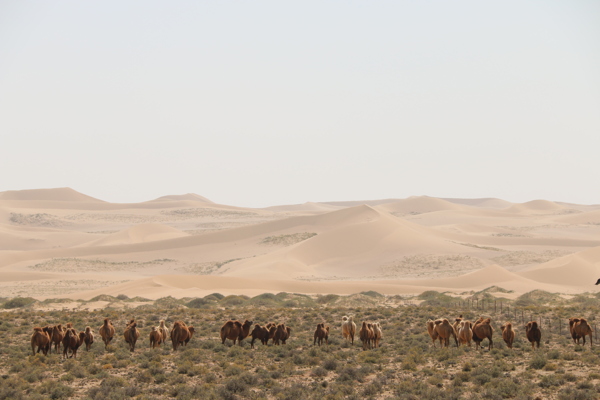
x: 58, y: 194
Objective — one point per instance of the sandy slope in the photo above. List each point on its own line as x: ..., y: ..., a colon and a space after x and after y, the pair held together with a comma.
x: 61, y: 242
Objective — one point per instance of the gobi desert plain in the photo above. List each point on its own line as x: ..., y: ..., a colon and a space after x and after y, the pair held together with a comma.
x: 393, y: 264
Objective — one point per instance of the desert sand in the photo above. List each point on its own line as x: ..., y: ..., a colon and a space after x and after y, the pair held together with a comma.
x: 62, y: 243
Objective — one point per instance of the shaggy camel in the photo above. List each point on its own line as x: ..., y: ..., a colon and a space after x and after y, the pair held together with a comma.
x: 156, y: 337
x: 508, y: 335
x: 164, y: 331
x: 456, y: 323
x: 348, y: 328
x: 107, y: 332
x: 181, y: 334
x: 235, y: 330
x: 534, y: 334
x: 377, y: 334
x: 131, y: 334
x: 321, y: 333
x: 444, y: 331
x: 41, y: 340
x: 261, y: 333
x: 580, y: 329
x: 57, y: 336
x: 281, y: 334
x: 465, y: 332
x: 71, y: 342
x: 432, y: 332
x: 88, y: 338
x: 481, y: 330
x: 365, y: 335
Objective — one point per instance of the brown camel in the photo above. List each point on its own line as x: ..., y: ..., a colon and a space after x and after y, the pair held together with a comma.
x: 281, y: 334
x: 107, y: 332
x: 155, y: 337
x: 41, y: 340
x: 57, y: 336
x: 377, y: 334
x: 88, y: 338
x: 465, y: 332
x: 534, y: 334
x: 508, y: 335
x: 181, y: 334
x: 321, y: 333
x: 433, y: 333
x: 131, y: 334
x: 71, y: 342
x: 261, y: 333
x: 581, y: 329
x: 444, y: 331
x: 365, y: 334
x: 235, y: 330
x: 348, y: 328
x: 164, y: 331
x: 481, y: 330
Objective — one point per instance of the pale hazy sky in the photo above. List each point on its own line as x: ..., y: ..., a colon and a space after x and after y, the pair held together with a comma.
x: 256, y: 103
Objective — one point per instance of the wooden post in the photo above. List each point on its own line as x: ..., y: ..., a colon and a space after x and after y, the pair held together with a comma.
x: 495, y: 306
x: 477, y: 303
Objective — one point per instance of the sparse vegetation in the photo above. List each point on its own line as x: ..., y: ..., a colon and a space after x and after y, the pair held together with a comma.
x: 406, y: 366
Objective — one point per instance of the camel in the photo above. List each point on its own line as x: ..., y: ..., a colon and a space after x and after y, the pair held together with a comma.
x: 88, y: 338
x: 261, y: 333
x: 580, y: 329
x: 181, y: 334
x: 164, y: 331
x: 321, y: 333
x: 131, y: 334
x: 57, y: 336
x: 481, y: 330
x: 508, y: 335
x: 377, y: 334
x: 365, y: 334
x: 432, y: 332
x: 444, y: 331
x: 156, y: 337
x: 235, y: 330
x: 71, y: 342
x: 107, y: 332
x: 465, y: 332
x: 348, y: 328
x: 281, y: 334
x: 534, y: 334
x: 272, y: 329
x: 41, y: 339
x: 456, y: 323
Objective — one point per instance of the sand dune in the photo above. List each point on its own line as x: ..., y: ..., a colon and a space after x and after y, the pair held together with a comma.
x: 418, y: 205
x: 579, y: 269
x: 140, y: 234
x: 482, y: 203
x: 183, y: 197
x: 60, y: 194
x: 536, y: 206
x: 59, y: 239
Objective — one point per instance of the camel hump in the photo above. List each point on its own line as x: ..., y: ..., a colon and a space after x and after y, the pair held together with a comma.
x: 534, y: 324
x: 445, y: 322
x: 583, y: 320
x: 344, y: 318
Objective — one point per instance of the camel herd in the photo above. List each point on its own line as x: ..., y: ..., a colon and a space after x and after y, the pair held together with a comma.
x: 180, y: 334
x: 464, y: 332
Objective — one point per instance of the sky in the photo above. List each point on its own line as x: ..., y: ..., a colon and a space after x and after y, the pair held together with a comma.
x: 276, y: 102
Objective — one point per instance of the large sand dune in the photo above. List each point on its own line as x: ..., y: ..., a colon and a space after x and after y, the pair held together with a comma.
x: 61, y: 242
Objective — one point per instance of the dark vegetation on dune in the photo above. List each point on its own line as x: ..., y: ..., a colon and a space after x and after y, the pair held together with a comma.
x: 405, y: 366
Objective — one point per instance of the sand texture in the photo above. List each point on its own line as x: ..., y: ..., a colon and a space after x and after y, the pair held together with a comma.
x: 61, y: 243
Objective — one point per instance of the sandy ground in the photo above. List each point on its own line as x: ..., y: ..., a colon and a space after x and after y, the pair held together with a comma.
x: 61, y: 243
